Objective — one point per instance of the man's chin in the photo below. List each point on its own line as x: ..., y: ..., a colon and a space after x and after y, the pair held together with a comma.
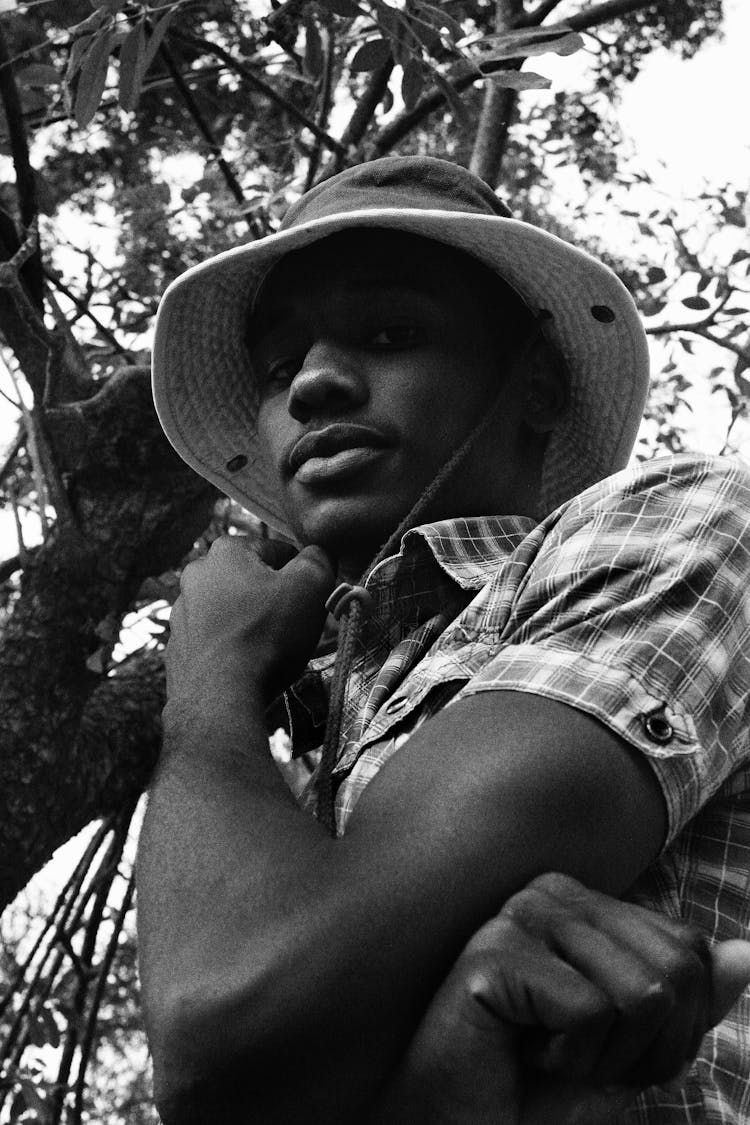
x: 351, y: 529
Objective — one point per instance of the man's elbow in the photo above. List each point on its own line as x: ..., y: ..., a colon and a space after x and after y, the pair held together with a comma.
x: 199, y: 1053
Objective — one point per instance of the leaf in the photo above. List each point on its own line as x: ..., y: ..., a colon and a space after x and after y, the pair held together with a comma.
x: 520, y: 80
x: 656, y: 274
x: 313, y: 48
x: 371, y: 55
x: 160, y: 30
x: 738, y: 256
x: 412, y: 83
x: 132, y: 59
x: 77, y: 55
x: 52, y: 1031
x: 112, y: 6
x: 37, y: 1033
x: 454, y: 101
x: 736, y: 310
x: 97, y: 661
x: 344, y: 8
x: 525, y: 44
x: 91, y: 23
x: 441, y: 21
x: 696, y: 303
x: 704, y: 282
x: 686, y: 344
x: 92, y: 79
x: 38, y: 75
x: 33, y: 1098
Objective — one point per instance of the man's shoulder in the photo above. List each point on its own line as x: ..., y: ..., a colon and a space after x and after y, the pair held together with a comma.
x: 688, y: 482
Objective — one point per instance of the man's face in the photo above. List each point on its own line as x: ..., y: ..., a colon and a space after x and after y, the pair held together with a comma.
x: 376, y: 355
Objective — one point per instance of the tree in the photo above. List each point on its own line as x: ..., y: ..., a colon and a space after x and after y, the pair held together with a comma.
x: 179, y: 129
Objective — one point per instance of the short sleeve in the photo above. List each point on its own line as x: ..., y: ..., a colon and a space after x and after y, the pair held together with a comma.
x: 636, y: 610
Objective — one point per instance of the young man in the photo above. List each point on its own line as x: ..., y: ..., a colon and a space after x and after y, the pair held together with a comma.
x: 539, y: 669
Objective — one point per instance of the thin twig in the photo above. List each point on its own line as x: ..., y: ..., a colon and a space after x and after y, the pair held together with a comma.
x: 252, y: 79
x: 9, y: 567
x: 326, y: 98
x: 96, y: 1000
x: 18, y: 444
x: 688, y: 326
x: 104, y: 879
x: 540, y: 13
x: 37, y: 468
x: 203, y: 128
x: 395, y: 131
x: 10, y: 279
x: 84, y: 309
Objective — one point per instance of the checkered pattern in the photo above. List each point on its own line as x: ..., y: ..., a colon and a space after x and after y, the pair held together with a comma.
x: 630, y: 603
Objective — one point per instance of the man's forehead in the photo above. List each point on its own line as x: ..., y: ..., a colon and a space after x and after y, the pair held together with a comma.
x: 354, y: 271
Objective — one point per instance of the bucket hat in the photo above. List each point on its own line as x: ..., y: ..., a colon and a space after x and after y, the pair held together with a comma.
x: 202, y: 382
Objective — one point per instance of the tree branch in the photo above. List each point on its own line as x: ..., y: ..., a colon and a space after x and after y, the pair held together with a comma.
x: 84, y: 310
x: 364, y: 111
x: 391, y: 134
x: 743, y: 353
x: 203, y: 128
x: 25, y: 181
x: 540, y: 13
x: 498, y: 109
x: 15, y: 449
x: 326, y: 98
x: 263, y: 87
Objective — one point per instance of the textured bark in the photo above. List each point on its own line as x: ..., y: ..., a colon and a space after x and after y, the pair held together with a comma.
x: 498, y: 108
x: 75, y: 743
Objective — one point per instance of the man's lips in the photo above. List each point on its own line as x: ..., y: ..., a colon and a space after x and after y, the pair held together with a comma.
x: 338, y: 438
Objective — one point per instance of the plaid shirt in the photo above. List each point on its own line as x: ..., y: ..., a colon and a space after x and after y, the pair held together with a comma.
x: 629, y: 603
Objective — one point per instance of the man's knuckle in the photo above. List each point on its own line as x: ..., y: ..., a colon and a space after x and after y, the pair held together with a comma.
x: 497, y: 935
x: 647, y: 1002
x: 556, y: 883
x: 523, y: 907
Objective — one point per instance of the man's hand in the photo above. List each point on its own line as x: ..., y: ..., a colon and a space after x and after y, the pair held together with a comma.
x: 238, y: 615
x: 560, y: 1010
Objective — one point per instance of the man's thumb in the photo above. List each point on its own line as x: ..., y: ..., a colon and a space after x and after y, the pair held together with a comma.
x: 730, y: 975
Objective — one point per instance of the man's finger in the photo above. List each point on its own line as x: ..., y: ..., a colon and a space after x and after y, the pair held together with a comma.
x: 274, y: 552
x: 730, y: 976
x: 313, y: 565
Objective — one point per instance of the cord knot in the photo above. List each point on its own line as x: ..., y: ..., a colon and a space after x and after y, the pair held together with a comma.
x: 344, y: 595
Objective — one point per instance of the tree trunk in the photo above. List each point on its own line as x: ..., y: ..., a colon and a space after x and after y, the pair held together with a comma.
x: 76, y: 743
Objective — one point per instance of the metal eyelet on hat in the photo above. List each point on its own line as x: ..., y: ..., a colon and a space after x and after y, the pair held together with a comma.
x: 658, y: 727
x: 234, y: 464
x: 395, y: 705
x: 602, y: 313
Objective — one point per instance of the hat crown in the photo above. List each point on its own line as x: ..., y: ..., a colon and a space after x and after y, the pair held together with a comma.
x: 422, y: 183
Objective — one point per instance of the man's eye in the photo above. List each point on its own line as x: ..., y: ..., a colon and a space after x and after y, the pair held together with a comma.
x: 279, y: 372
x: 394, y: 336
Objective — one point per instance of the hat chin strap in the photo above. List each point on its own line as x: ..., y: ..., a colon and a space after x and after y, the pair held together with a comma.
x: 353, y: 605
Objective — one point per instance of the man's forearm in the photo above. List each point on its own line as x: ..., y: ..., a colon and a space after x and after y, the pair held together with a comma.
x: 223, y: 846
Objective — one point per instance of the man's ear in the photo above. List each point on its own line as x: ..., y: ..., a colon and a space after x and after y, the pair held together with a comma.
x: 547, y: 391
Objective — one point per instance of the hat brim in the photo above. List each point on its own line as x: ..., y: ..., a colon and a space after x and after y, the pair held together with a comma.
x: 206, y: 400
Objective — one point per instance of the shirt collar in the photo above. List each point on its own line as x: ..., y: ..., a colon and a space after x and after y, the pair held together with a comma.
x: 468, y: 550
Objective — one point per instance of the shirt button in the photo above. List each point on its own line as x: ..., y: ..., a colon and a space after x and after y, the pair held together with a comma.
x: 394, y: 705
x: 658, y: 727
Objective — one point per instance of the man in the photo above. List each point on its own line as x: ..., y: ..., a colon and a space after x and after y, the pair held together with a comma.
x: 536, y: 672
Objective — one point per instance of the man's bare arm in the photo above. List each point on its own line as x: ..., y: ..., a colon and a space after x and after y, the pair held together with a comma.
x: 284, y: 973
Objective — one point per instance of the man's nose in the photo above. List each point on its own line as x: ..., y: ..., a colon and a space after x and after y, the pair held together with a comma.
x: 329, y: 382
